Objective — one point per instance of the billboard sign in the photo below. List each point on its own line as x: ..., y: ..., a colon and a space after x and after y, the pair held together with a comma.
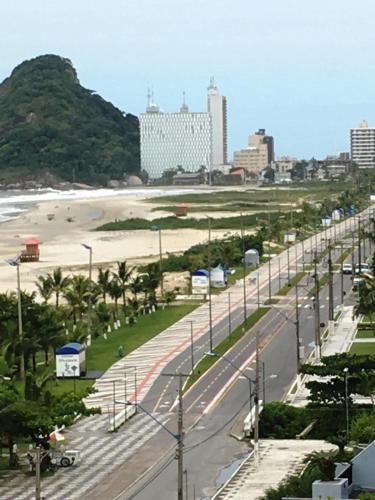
x: 67, y: 365
x: 199, y: 284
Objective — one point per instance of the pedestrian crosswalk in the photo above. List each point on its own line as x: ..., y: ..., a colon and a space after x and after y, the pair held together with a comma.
x: 100, y: 452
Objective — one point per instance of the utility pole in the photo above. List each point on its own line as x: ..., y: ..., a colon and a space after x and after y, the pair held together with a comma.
x: 342, y: 272
x: 264, y: 382
x: 330, y: 283
x: 317, y: 308
x: 244, y: 276
x: 359, y: 245
x: 37, y: 473
x: 269, y: 259
x: 353, y: 257
x: 303, y: 254
x: 209, y: 283
x: 20, y: 331
x: 180, y: 442
x: 297, y: 331
x: 288, y: 262
x: 192, y: 345
x: 256, y: 402
x: 229, y: 316
x: 179, y: 436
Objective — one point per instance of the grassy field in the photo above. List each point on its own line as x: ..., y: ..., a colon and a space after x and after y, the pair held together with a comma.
x: 365, y: 348
x: 172, y: 222
x: 103, y: 353
x: 228, y: 207
x: 365, y: 334
x: 292, y: 194
x: 208, y: 361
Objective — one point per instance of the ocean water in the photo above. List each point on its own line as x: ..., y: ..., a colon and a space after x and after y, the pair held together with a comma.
x: 14, y: 203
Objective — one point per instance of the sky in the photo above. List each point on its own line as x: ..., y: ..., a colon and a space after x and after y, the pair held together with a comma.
x: 302, y: 69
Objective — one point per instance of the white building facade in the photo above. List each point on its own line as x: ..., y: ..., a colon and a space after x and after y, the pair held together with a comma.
x: 217, y: 107
x: 184, y: 139
x: 362, y: 144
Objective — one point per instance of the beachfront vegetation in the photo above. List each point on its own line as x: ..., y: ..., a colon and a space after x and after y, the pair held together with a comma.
x: 125, y: 314
x: 50, y: 123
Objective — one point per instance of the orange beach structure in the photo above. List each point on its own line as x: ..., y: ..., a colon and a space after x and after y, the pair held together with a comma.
x: 31, y: 254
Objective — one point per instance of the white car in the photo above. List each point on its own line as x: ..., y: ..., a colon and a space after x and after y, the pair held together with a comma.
x: 347, y: 269
x: 364, y: 268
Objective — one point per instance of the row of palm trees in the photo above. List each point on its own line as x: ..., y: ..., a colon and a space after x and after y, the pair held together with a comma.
x: 62, y: 315
x: 121, y: 285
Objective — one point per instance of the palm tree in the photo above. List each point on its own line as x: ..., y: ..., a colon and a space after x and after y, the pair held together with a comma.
x: 136, y: 286
x: 77, y: 295
x: 103, y: 282
x: 366, y: 303
x: 44, y: 285
x: 115, y: 292
x: 50, y: 331
x: 59, y: 284
x: 124, y: 273
x: 103, y: 316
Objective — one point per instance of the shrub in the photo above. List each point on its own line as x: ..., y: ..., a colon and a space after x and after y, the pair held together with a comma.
x: 282, y: 421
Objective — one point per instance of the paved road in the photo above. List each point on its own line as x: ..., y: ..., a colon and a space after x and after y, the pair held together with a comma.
x: 127, y: 454
x: 217, y: 448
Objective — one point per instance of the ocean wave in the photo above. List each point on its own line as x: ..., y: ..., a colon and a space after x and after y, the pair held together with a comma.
x: 35, y: 196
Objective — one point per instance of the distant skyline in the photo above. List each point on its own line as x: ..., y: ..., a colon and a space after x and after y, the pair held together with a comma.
x: 301, y: 70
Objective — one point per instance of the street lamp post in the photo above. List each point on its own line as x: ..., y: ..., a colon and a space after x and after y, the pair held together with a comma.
x: 244, y: 275
x: 229, y: 316
x: 256, y: 396
x: 157, y: 228
x: 209, y: 284
x: 346, y: 402
x: 15, y: 262
x: 89, y: 302
x: 192, y: 345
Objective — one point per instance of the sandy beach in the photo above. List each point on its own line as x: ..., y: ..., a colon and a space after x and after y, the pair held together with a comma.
x: 73, y: 223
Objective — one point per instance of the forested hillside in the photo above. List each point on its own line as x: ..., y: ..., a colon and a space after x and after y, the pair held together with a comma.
x: 50, y: 123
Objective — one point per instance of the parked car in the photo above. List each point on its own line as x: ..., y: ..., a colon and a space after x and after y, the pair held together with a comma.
x: 357, y: 281
x: 347, y: 269
x: 363, y: 269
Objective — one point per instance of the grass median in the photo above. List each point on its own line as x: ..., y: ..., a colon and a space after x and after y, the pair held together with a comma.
x: 292, y: 283
x: 208, y: 361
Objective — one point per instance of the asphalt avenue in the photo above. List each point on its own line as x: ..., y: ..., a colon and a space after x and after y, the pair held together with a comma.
x: 211, y: 412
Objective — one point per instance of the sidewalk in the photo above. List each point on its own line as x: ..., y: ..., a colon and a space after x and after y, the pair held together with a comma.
x: 339, y: 339
x: 278, y: 459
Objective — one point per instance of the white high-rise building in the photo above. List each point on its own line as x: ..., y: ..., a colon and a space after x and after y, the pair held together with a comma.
x: 184, y: 139
x: 217, y: 107
x: 172, y: 140
x: 362, y: 145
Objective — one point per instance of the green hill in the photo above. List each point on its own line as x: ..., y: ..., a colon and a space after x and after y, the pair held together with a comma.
x: 50, y: 123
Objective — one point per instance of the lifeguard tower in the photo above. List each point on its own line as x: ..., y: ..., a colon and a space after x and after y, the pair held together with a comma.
x: 31, y: 253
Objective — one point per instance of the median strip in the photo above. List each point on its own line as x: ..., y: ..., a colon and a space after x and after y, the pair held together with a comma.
x: 208, y: 361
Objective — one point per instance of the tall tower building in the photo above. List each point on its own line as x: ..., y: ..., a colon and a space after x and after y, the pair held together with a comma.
x: 217, y: 107
x: 172, y: 140
x: 362, y: 145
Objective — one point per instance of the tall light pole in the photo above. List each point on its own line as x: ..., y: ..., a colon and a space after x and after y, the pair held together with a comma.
x: 244, y: 276
x: 192, y: 345
x: 256, y: 394
x: 229, y: 316
x: 346, y: 402
x: 15, y: 262
x: 209, y: 284
x: 178, y: 436
x: 157, y: 228
x: 89, y: 302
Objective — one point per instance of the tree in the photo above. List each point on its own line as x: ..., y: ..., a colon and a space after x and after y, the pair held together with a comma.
x: 44, y: 285
x: 103, y: 316
x: 363, y: 428
x: 325, y: 462
x: 124, y: 273
x: 58, y: 283
x: 104, y: 282
x: 77, y: 295
x: 115, y: 292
